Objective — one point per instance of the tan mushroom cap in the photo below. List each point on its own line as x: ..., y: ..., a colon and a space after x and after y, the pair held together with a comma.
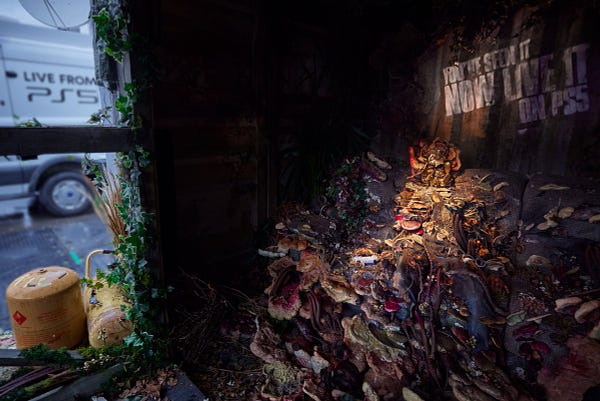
x: 585, y: 309
x: 301, y: 244
x: 410, y: 225
x: 564, y: 303
x: 287, y: 243
x: 308, y: 262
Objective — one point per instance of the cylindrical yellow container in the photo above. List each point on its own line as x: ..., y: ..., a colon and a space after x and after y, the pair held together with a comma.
x: 106, y: 321
x: 45, y: 307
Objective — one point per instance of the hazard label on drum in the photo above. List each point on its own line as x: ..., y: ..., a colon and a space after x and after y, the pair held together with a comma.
x: 19, y: 318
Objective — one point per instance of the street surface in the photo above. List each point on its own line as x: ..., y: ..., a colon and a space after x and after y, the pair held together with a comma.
x: 33, y: 239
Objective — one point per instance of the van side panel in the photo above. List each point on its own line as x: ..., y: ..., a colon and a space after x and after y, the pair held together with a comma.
x: 48, y: 75
x: 5, y: 106
x: 55, y: 94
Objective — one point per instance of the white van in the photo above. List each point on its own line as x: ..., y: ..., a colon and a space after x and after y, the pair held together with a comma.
x: 46, y: 74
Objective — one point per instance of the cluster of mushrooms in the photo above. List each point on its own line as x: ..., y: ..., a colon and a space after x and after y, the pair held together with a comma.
x: 421, y: 302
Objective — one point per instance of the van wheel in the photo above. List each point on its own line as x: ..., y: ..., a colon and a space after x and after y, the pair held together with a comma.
x: 65, y: 194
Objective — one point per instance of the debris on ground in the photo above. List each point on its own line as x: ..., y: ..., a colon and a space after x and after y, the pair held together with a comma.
x: 451, y: 288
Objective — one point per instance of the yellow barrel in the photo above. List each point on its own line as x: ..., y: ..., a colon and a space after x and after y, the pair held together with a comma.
x: 106, y: 321
x: 45, y: 307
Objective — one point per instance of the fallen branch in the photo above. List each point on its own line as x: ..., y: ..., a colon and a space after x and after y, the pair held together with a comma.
x: 28, y: 378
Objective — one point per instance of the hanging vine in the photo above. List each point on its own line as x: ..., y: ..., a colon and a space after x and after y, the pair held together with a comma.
x: 132, y: 271
x: 111, y: 28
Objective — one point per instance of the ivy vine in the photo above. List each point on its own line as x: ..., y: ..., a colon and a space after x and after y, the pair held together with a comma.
x: 111, y: 28
x: 124, y: 105
x: 132, y: 272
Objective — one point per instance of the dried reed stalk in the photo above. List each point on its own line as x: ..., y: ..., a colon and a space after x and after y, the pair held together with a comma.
x: 106, y: 204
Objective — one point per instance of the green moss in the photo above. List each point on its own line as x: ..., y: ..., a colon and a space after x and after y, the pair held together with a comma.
x: 50, y: 357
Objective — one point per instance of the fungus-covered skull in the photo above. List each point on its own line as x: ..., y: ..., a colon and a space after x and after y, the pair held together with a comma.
x: 435, y: 162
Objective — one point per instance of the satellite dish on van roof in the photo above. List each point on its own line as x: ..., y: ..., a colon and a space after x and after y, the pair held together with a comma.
x: 61, y: 14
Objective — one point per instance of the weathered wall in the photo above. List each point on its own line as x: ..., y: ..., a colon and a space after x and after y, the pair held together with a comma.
x: 206, y: 133
x: 242, y: 117
x: 522, y: 99
x: 264, y: 97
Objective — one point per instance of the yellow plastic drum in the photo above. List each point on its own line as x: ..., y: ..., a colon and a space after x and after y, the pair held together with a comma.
x: 45, y: 307
x: 106, y: 321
